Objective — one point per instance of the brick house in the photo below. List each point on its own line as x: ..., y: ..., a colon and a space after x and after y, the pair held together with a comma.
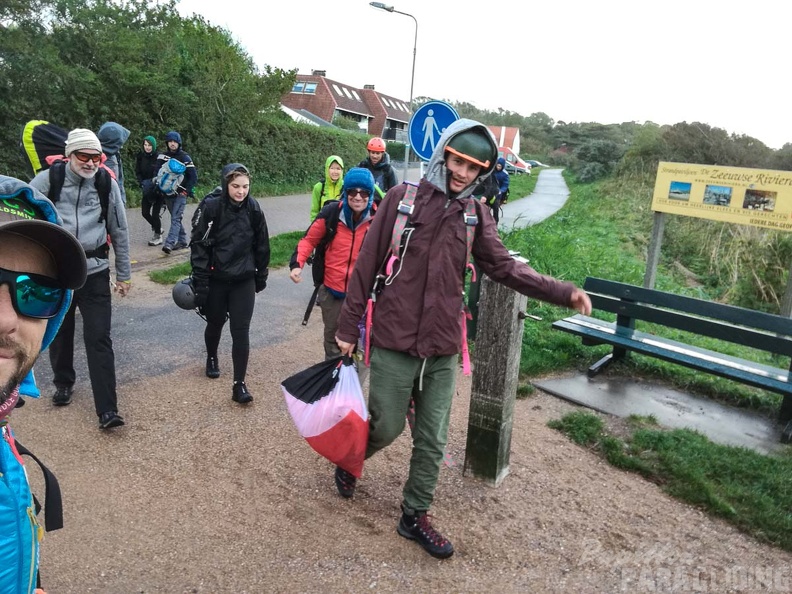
x: 377, y: 114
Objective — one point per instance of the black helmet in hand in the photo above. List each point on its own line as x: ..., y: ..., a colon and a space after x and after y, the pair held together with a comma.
x: 184, y: 294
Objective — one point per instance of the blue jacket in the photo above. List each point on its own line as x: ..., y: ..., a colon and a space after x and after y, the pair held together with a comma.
x: 19, y: 530
x: 501, y: 176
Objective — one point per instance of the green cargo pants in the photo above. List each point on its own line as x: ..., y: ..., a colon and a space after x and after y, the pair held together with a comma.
x: 395, y: 378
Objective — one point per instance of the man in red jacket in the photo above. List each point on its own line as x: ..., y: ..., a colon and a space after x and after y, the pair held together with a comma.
x: 416, y: 332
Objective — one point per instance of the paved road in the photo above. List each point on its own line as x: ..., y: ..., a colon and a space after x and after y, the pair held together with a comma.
x: 549, y: 196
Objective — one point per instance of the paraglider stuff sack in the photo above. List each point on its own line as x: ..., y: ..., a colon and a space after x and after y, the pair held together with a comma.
x: 336, y: 424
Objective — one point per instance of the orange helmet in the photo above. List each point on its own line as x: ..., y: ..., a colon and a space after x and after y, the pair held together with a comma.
x: 376, y: 145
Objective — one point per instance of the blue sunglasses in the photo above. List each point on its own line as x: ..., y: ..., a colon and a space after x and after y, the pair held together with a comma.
x: 33, y: 295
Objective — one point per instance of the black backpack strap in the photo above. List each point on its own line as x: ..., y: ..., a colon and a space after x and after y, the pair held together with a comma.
x: 104, y: 185
x: 53, y: 503
x: 57, y: 175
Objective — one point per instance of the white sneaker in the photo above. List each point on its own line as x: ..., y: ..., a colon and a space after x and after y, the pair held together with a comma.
x: 156, y: 239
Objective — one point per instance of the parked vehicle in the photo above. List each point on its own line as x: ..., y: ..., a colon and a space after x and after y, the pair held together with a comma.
x: 514, y: 164
x: 533, y: 163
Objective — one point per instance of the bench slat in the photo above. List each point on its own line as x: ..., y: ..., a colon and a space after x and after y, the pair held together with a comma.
x: 705, y: 327
x: 700, y: 307
x: 747, y: 372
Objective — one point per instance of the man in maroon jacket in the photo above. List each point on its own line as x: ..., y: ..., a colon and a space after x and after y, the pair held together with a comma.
x: 416, y: 332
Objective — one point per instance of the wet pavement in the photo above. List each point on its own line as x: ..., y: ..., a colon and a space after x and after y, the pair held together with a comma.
x: 623, y: 397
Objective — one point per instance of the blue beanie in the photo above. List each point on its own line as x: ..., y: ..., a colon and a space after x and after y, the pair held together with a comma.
x: 358, y: 177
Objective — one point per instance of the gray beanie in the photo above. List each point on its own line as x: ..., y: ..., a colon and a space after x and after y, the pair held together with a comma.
x: 80, y: 139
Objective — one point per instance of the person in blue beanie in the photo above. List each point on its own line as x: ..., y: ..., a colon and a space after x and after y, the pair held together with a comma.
x: 350, y: 217
x: 40, y: 266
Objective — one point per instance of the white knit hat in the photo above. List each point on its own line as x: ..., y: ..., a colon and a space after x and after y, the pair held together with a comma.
x: 82, y: 138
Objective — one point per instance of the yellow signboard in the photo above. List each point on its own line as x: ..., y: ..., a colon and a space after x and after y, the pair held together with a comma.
x: 758, y: 197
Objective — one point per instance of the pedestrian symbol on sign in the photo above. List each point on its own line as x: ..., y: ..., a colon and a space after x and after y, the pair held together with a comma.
x: 429, y: 128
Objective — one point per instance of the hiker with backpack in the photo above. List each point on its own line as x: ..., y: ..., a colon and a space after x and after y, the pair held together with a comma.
x: 176, y: 178
x: 152, y: 202
x: 410, y: 275
x: 330, y: 187
x: 40, y: 266
x: 229, y: 253
x: 113, y: 136
x: 89, y: 202
x: 501, y: 179
x: 335, y: 237
x: 378, y: 162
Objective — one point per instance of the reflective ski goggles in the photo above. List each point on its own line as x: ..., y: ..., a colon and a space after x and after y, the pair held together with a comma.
x: 33, y: 295
x: 85, y: 157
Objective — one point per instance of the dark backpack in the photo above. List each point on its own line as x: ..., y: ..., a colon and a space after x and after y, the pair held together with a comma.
x: 330, y: 212
x: 103, y: 184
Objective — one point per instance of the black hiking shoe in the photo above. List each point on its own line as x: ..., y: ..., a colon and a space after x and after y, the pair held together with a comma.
x: 167, y: 248
x: 345, y: 482
x: 240, y: 393
x: 62, y: 396
x: 419, y: 529
x: 110, y: 419
x: 212, y: 368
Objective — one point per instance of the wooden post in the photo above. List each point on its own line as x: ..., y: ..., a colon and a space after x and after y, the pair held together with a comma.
x: 653, y: 255
x: 786, y: 303
x: 496, y: 363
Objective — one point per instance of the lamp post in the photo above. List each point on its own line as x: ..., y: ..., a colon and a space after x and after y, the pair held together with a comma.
x: 388, y: 8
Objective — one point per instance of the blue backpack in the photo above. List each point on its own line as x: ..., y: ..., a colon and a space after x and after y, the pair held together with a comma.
x: 170, y: 176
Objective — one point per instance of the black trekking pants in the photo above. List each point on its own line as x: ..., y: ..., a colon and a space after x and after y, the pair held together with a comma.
x: 94, y: 302
x: 152, y: 206
x: 235, y: 298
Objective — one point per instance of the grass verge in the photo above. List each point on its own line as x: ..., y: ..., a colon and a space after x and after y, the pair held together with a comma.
x: 281, y: 248
x: 749, y: 490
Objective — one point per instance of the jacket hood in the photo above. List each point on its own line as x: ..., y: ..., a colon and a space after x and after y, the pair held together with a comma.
x: 330, y: 160
x: 152, y: 142
x: 502, y: 162
x: 226, y: 171
x: 112, y: 136
x: 173, y: 135
x: 436, y: 171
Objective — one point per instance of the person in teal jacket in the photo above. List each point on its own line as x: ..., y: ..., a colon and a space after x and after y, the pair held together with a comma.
x: 330, y: 187
x: 40, y: 265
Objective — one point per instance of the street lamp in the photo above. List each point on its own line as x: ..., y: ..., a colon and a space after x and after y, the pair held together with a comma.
x: 388, y: 8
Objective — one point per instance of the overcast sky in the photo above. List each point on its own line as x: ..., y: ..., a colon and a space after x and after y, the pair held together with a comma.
x: 724, y: 64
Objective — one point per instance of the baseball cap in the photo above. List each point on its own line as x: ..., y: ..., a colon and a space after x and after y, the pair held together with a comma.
x: 27, y: 212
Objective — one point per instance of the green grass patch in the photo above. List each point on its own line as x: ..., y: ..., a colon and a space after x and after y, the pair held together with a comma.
x: 281, y: 248
x: 750, y: 490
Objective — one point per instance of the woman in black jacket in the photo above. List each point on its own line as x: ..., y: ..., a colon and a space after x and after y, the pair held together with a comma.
x: 230, y: 254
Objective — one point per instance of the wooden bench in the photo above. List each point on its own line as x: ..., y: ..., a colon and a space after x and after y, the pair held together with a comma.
x: 762, y: 331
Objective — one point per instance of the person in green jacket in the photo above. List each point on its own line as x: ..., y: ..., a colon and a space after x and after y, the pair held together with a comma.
x: 330, y: 187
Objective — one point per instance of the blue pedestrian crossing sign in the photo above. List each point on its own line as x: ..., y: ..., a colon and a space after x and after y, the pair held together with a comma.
x: 427, y: 125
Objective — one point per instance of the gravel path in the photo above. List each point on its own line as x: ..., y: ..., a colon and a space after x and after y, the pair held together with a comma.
x: 199, y: 495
